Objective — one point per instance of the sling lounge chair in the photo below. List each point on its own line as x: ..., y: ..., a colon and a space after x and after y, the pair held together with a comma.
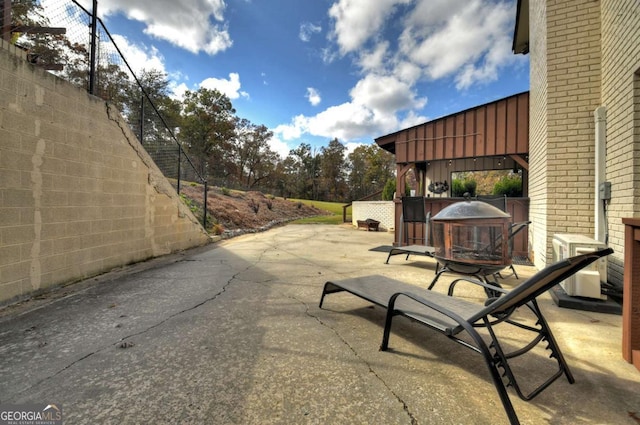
x: 413, y: 211
x: 453, y: 317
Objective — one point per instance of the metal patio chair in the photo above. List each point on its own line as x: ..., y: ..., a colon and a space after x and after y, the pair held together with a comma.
x: 413, y: 211
x: 456, y: 317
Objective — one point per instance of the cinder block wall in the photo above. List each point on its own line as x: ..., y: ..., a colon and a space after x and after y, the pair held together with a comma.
x: 565, y: 90
x: 78, y: 194
x: 621, y: 97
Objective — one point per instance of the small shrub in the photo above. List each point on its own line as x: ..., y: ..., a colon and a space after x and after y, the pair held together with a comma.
x: 217, y: 229
x: 388, y: 190
x: 226, y: 191
x: 459, y: 187
x: 510, y: 186
x: 254, y: 206
x: 299, y: 205
x: 269, y: 203
x: 189, y: 203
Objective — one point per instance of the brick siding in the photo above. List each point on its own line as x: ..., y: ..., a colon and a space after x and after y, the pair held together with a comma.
x: 584, y: 54
x: 621, y: 96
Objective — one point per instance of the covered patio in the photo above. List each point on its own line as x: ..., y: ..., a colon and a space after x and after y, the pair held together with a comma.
x: 493, y: 136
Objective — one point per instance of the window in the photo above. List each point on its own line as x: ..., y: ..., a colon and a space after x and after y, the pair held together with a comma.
x: 491, y: 182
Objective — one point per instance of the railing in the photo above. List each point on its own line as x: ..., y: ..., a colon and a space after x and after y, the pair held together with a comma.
x: 80, y: 49
x: 366, y: 198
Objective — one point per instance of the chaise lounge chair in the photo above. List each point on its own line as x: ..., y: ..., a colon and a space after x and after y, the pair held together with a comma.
x: 413, y: 211
x: 453, y: 317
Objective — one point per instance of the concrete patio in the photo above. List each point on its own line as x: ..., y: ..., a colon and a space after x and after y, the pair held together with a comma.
x: 231, y: 333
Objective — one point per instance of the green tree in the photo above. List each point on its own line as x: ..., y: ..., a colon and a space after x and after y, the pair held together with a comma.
x: 112, y: 85
x: 140, y: 109
x: 369, y: 169
x: 148, y: 114
x: 254, y: 160
x: 302, y: 172
x: 208, y: 131
x: 42, y: 49
x: 358, y: 164
x: 389, y: 189
x: 333, y: 168
x: 288, y: 183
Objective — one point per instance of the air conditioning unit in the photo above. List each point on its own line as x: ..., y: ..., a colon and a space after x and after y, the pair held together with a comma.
x: 586, y: 282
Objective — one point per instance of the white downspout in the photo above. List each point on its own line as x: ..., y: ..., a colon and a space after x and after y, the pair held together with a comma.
x: 600, y: 116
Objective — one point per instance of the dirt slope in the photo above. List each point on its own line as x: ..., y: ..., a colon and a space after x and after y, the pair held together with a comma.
x: 235, y: 212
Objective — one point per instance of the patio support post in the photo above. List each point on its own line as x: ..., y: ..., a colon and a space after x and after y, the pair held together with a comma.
x: 631, y: 294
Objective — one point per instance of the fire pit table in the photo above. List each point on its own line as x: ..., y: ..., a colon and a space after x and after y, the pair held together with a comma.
x: 470, y: 238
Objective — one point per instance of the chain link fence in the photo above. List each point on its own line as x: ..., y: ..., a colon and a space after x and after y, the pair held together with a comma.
x: 59, y: 36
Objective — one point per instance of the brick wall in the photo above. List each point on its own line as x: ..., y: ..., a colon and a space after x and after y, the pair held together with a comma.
x: 584, y: 54
x: 621, y: 97
x: 538, y: 133
x: 565, y: 90
x: 573, y: 60
x: 78, y: 194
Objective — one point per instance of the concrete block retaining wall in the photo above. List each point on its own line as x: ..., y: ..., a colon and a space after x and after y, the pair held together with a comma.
x: 79, y: 196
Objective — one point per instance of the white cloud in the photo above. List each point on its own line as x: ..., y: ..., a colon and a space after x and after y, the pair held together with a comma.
x: 186, y: 24
x: 407, y: 71
x: 463, y: 41
x: 307, y: 29
x: 385, y: 94
x: 178, y: 91
x: 346, y: 122
x: 279, y: 147
x: 139, y: 57
x: 372, y: 60
x: 293, y: 130
x: 356, y: 21
x: 230, y: 87
x: 466, y: 40
x: 313, y: 96
x: 376, y: 101
x: 351, y: 146
x: 412, y: 119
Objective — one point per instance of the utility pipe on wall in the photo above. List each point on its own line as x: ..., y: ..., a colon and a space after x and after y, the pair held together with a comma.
x: 600, y: 117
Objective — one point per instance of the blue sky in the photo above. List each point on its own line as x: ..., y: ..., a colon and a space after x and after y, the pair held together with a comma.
x: 314, y: 70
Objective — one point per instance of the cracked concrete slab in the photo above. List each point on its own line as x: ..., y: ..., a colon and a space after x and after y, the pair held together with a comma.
x: 232, y: 334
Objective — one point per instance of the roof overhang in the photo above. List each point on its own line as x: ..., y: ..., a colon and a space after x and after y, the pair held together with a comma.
x: 521, y: 32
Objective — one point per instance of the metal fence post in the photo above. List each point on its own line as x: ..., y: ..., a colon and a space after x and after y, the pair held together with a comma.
x: 5, y: 25
x: 204, y: 220
x: 142, y: 119
x: 179, y: 161
x: 94, y: 32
